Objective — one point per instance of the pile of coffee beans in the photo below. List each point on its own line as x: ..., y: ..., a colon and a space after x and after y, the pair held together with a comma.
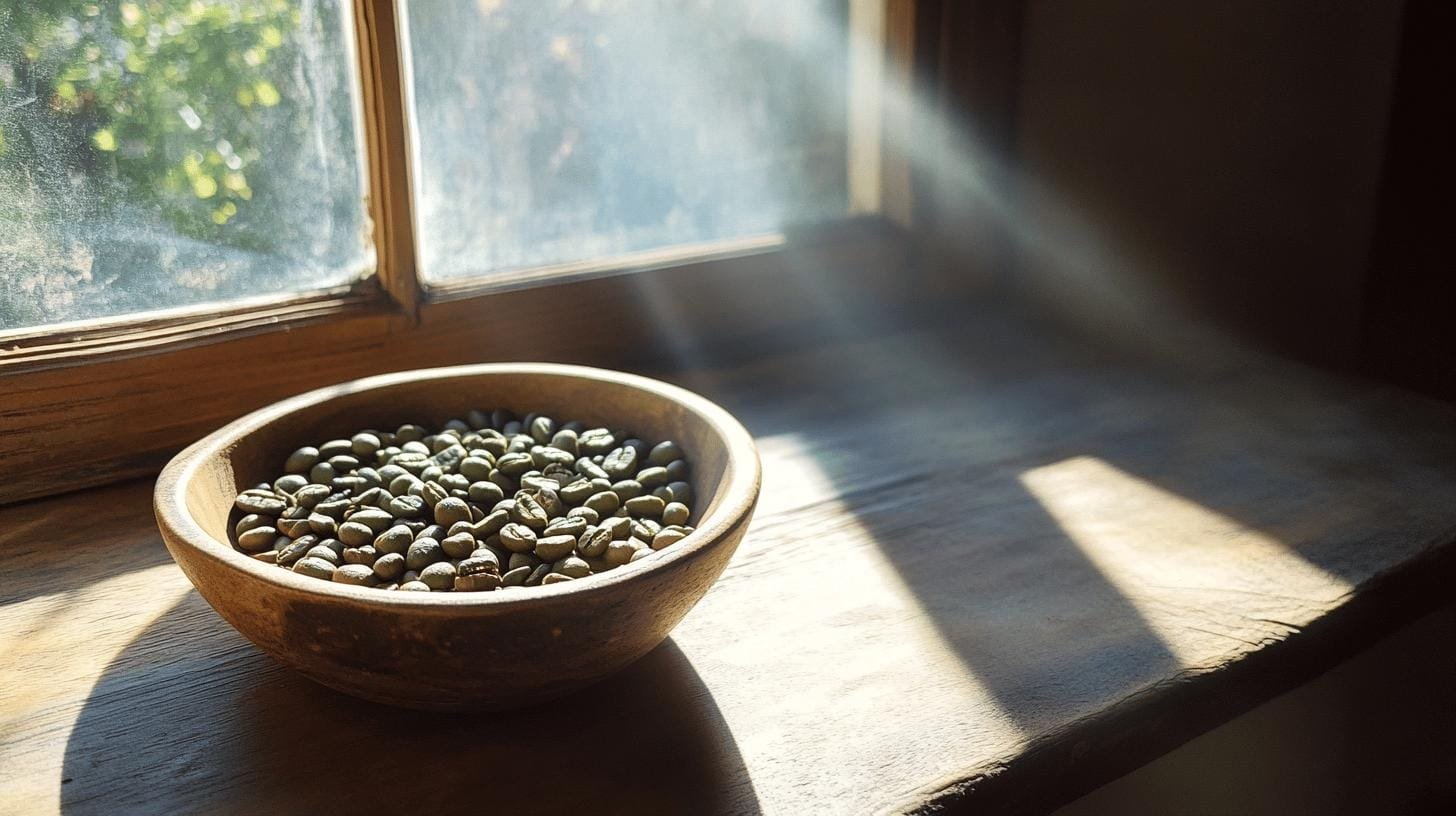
x: 487, y: 502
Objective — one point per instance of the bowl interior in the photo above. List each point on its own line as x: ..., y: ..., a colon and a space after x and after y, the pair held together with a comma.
x: 650, y: 410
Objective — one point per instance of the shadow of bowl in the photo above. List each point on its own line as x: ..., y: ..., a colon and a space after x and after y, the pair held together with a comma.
x: 190, y: 719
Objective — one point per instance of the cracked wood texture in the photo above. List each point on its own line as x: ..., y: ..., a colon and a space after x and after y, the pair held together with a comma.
x: 992, y: 568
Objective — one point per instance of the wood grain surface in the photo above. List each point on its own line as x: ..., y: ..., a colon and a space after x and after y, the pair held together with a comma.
x: 990, y: 569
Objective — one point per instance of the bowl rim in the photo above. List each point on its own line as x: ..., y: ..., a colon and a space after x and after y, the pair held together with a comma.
x: 738, y: 489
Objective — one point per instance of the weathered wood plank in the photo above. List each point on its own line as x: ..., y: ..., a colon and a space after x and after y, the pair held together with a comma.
x: 990, y: 568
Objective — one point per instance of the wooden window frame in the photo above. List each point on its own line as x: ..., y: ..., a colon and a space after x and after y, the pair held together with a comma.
x: 123, y: 394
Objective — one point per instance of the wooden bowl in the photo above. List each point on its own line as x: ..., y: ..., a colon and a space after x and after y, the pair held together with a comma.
x: 467, y: 650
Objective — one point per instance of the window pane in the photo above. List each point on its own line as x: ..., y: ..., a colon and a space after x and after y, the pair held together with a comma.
x: 550, y: 132
x: 163, y: 153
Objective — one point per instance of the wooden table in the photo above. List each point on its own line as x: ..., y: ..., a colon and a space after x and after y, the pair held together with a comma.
x: 992, y: 568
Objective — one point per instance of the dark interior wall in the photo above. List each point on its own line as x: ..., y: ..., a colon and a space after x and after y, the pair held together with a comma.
x: 1410, y: 329
x: 1225, y: 157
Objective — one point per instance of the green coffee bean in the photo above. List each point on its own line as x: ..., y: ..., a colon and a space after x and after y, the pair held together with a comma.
x: 528, y: 511
x: 260, y: 504
x: 322, y: 473
x: 507, y: 484
x: 481, y: 582
x: 289, y: 484
x: 491, y: 524
x: 482, y: 561
x: 365, y: 445
x: 644, y: 528
x: 249, y: 522
x: 590, y: 469
x: 475, y: 468
x: 640, y: 554
x: 620, y: 552
x: 605, y: 502
x: 675, y: 513
x: 401, y: 485
x: 577, y: 492
x: 518, y: 560
x: 628, y: 489
x: 529, y: 482
x: 355, y: 534
x: 538, y: 574
x: 664, y: 453
x: 554, y: 548
x: 314, y: 568
x: 310, y: 495
x: 449, y: 459
x: 572, y: 566
x: 668, y: 536
x: 433, y: 493
x: 564, y: 439
x: 620, y: 527
x: 458, y: 546
x: 438, y: 576
x: 543, y: 457
x: 348, y: 484
x: 334, y: 447
x: 389, y: 566
x: 455, y: 483
x: 267, y: 556
x: 550, y: 502
x: 323, y: 525
x: 394, y: 540
x: 422, y: 553
x: 407, y: 506
x: 355, y: 574
x: 677, y: 471
x: 652, y: 478
x: 343, y: 463
x: 323, y: 553
x: 681, y: 492
x: 375, y: 519
x: 592, y: 542
x: 361, y: 555
x: 257, y: 539
x: 518, y: 537
x: 450, y: 510
x: 595, y: 441
x: 301, y: 460
x: 296, y: 549
x: 516, y: 577
x: 565, y: 526
x: 542, y: 429
x: 486, y: 492
x: 414, y: 586
x: 645, y: 506
x: 591, y: 516
x: 555, y: 578
x: 514, y: 464
x: 621, y: 463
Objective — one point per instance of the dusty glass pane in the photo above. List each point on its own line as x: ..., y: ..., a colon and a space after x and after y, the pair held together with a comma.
x: 163, y: 153
x: 549, y: 132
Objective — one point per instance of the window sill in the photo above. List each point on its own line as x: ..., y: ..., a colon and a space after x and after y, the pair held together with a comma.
x: 990, y: 568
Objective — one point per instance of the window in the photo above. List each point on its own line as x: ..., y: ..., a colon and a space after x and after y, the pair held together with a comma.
x: 181, y: 179
x: 550, y: 133
x: 175, y: 152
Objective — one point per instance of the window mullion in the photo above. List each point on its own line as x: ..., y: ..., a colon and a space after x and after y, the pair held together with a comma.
x: 386, y: 139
